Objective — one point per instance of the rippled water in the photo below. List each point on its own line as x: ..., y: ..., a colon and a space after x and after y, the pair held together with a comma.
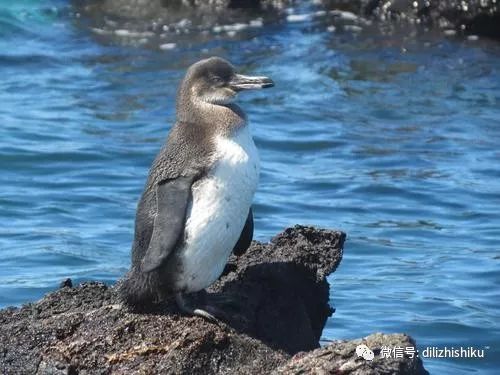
x: 393, y: 139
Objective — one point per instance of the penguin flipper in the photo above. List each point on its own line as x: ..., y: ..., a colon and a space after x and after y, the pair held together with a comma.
x: 246, y: 236
x: 172, y: 198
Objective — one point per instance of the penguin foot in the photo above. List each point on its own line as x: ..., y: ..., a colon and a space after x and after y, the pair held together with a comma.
x: 185, y: 308
x: 206, y: 315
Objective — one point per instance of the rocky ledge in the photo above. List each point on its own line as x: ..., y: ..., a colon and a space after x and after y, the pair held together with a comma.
x: 277, y: 308
x: 454, y: 17
x: 476, y: 17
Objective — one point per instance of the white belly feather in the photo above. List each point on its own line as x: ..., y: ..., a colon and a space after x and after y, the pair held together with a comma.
x: 218, y: 211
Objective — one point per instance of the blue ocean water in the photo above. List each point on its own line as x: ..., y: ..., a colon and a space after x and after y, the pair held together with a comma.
x: 391, y: 137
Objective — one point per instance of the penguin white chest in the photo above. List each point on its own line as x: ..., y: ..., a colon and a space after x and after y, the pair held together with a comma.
x: 218, y: 211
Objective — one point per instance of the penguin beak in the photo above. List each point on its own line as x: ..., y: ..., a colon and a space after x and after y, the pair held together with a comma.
x: 240, y: 82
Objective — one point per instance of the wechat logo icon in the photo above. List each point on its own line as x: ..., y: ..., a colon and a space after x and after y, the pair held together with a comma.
x: 365, y: 352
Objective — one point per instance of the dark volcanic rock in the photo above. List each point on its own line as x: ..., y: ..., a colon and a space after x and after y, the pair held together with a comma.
x: 340, y: 357
x: 479, y: 17
x: 279, y: 306
x: 293, y: 267
x: 172, y: 16
x: 154, y: 22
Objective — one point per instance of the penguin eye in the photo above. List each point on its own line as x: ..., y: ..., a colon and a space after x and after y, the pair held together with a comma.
x: 216, y: 80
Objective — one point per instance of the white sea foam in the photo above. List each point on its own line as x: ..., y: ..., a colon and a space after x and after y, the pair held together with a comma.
x: 237, y: 27
x: 353, y: 28
x: 230, y: 28
x: 133, y: 34
x: 348, y: 16
x: 167, y: 46
x: 100, y: 31
x: 298, y: 17
x: 184, y: 23
x: 258, y: 22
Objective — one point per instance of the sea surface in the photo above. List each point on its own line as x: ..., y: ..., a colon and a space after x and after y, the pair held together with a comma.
x: 391, y: 135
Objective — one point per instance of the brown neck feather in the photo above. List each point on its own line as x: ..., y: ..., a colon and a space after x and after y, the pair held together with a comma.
x: 223, y: 119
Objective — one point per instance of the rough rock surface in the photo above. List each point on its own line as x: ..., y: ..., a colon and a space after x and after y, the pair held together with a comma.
x: 478, y: 17
x: 279, y: 307
x: 341, y: 357
x: 174, y: 16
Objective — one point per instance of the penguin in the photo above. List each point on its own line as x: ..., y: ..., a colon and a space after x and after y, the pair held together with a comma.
x: 196, y: 205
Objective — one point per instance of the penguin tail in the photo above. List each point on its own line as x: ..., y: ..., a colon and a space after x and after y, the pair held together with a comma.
x: 138, y: 290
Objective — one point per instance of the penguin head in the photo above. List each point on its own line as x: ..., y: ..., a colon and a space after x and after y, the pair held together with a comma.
x: 215, y: 81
